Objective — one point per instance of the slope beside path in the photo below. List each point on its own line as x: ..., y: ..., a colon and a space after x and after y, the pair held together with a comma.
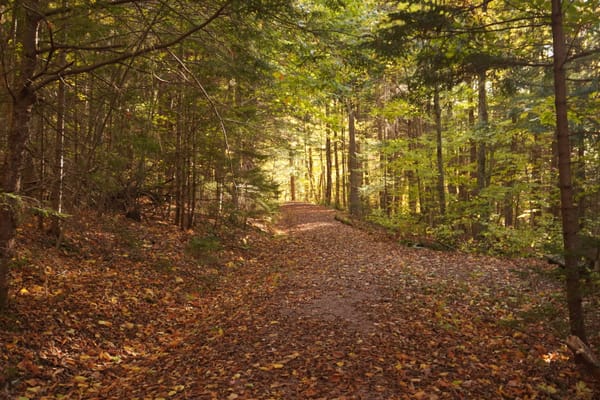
x: 318, y: 310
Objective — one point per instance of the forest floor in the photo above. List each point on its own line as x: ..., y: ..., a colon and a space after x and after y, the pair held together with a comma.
x: 310, y: 309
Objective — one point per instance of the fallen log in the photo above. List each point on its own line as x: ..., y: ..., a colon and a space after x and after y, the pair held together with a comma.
x: 584, y: 353
x: 344, y: 220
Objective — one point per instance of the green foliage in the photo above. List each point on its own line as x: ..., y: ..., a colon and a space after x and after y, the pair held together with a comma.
x: 204, y: 248
x: 405, y: 225
x: 21, y: 204
x: 499, y: 240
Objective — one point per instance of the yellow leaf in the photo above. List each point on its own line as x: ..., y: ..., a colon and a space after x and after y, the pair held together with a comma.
x: 37, y: 288
x: 104, y: 323
x: 277, y: 365
x: 420, y: 395
x: 24, y: 291
x: 80, y: 378
x: 339, y: 363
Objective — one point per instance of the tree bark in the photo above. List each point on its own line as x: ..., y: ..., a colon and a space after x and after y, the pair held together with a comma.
x: 481, y: 155
x: 336, y: 163
x: 354, y: 206
x: 292, y: 176
x: 328, y: 172
x: 440, y: 158
x: 570, y: 224
x: 483, y: 122
x: 56, y: 195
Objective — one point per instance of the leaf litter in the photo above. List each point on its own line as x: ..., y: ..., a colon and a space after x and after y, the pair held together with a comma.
x: 316, y: 310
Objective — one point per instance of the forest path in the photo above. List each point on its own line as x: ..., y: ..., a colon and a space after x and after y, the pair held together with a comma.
x: 346, y: 316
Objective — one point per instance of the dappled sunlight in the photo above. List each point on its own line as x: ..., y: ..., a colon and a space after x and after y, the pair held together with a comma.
x: 554, y: 356
x: 313, y: 225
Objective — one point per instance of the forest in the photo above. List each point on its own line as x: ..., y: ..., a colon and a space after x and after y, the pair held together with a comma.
x: 462, y: 126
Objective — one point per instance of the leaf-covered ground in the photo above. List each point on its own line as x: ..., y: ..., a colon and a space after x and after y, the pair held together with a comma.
x: 314, y: 310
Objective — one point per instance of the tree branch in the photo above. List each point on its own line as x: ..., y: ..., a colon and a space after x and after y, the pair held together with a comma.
x: 95, y: 6
x: 136, y: 53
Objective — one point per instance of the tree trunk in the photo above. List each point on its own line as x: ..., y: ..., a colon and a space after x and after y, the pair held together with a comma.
x: 570, y: 224
x: 479, y: 224
x: 336, y: 163
x: 311, y: 175
x: 328, y: 167
x: 56, y: 195
x: 537, y: 164
x: 11, y: 181
x: 440, y: 158
x: 509, y: 213
x: 483, y: 122
x: 353, y: 167
x: 384, y: 196
x: 292, y: 176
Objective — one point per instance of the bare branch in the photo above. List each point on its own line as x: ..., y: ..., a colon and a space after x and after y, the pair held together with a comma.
x: 584, y: 54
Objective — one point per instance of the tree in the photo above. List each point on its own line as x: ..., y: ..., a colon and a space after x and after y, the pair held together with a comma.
x: 570, y: 224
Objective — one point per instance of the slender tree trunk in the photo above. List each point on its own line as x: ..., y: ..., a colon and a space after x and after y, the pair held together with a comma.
x: 580, y: 177
x: 42, y: 174
x: 440, y: 158
x: 354, y: 206
x: 568, y: 210
x: 307, y: 177
x: 344, y: 164
x: 410, y: 173
x: 328, y: 166
x: 336, y: 163
x: 384, y: 196
x: 509, y: 214
x: 481, y: 155
x: 537, y: 163
x: 56, y: 195
x: 179, y: 162
x: 483, y: 122
x: 292, y: 176
x: 311, y: 175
